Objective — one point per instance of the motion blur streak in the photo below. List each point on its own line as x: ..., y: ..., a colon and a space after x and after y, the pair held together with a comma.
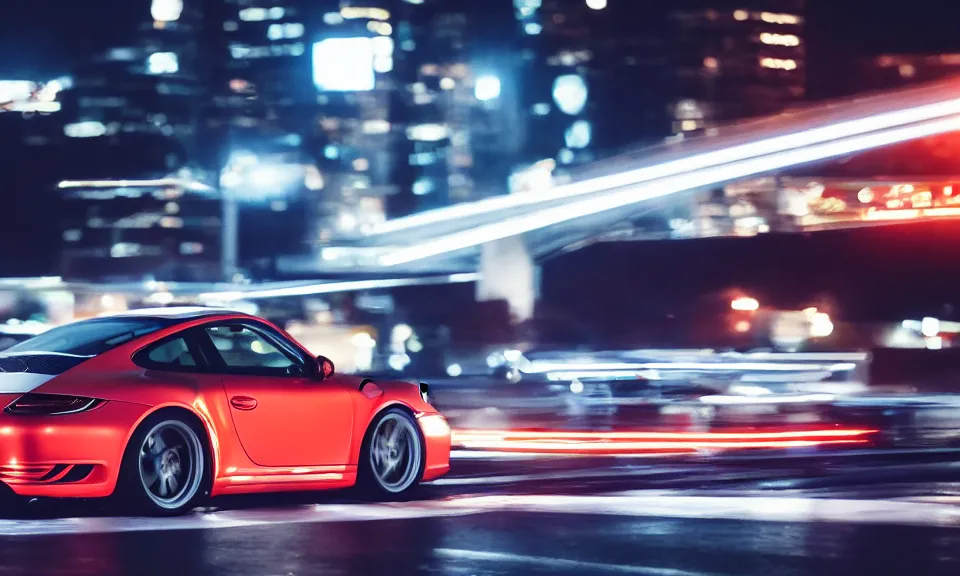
x: 663, y: 187
x: 781, y: 435
x: 673, y: 168
x: 608, y: 448
x: 612, y: 443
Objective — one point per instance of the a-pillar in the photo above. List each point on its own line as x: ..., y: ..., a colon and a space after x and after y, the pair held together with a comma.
x: 508, y: 272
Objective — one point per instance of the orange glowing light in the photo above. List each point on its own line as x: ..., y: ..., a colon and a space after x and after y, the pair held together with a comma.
x: 632, y: 442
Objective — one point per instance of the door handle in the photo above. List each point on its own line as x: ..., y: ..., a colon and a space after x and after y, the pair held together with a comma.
x: 243, y: 402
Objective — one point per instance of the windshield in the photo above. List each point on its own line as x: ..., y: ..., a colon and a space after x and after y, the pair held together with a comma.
x: 89, y: 337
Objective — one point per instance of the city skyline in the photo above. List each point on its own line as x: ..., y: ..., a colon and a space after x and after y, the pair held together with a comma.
x: 376, y: 146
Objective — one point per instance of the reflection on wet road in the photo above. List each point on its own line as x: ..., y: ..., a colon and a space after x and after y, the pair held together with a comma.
x: 675, y: 519
x: 499, y: 543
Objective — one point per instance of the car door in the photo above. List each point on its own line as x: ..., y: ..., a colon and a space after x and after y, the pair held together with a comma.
x: 284, y: 416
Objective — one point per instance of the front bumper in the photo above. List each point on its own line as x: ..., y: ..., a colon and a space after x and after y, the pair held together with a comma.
x: 70, y: 455
x: 436, y: 434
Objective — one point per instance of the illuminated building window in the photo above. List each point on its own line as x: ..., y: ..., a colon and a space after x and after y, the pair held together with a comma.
x: 282, y: 31
x: 570, y: 94
x: 578, y: 135
x: 779, y: 39
x: 741, y: 15
x: 422, y: 159
x: 376, y: 127
x: 261, y: 14
x: 191, y: 248
x: 355, y: 12
x: 163, y: 63
x: 773, y: 18
x: 382, y: 46
x: 428, y: 132
x: 383, y: 64
x: 166, y: 10
x: 423, y: 187
x: 344, y: 64
x: 778, y: 63
x: 487, y: 88
x: 382, y: 28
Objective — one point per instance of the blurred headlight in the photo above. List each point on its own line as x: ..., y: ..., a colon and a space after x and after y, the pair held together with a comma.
x: 434, y: 425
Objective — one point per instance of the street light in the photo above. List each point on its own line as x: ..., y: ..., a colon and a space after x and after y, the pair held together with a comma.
x: 248, y: 177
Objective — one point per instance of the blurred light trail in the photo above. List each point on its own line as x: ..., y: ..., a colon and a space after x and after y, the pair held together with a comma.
x: 152, y: 183
x: 598, y: 368
x: 713, y: 158
x: 690, y: 180
x: 589, y: 435
x: 612, y: 443
x: 259, y: 292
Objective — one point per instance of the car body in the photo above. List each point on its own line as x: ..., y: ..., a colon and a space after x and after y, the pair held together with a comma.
x: 258, y: 410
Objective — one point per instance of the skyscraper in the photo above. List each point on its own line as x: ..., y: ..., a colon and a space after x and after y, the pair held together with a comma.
x: 594, y: 77
x: 137, y: 183
x: 460, y: 102
x: 735, y: 59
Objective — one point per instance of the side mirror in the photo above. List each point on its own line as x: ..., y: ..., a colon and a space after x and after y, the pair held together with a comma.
x: 324, y: 367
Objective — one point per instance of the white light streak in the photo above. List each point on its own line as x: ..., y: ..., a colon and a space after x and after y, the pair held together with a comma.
x: 674, y: 167
x: 666, y: 186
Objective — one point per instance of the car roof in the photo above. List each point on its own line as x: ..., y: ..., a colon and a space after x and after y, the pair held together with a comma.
x: 176, y: 313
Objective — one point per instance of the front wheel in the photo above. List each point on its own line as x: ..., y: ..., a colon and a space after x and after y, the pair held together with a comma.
x: 164, y: 469
x: 392, y: 458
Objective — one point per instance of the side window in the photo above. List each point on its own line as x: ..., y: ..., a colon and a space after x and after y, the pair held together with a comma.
x: 170, y: 355
x: 244, y: 351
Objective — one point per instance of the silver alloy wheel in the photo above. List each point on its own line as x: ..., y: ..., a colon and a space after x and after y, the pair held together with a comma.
x: 171, y: 464
x: 395, y: 453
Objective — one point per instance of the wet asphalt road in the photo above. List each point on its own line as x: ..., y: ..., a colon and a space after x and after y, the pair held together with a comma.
x: 663, y: 520
x: 507, y: 543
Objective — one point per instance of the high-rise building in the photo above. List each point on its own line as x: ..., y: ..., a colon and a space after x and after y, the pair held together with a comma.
x: 264, y: 108
x: 460, y: 102
x: 594, y: 77
x: 136, y: 182
x: 734, y: 60
x: 303, y: 90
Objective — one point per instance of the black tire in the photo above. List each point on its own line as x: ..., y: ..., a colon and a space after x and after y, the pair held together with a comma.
x: 132, y: 493
x: 370, y: 483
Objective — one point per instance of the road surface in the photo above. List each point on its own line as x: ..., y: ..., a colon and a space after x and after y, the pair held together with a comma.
x: 548, y: 517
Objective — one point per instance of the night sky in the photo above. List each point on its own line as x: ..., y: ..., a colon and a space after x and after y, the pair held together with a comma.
x: 890, y: 272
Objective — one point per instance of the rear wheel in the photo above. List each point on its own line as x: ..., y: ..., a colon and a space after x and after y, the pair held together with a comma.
x: 393, y: 455
x: 165, y: 468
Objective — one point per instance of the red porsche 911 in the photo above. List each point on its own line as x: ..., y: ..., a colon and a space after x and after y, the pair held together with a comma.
x: 164, y: 407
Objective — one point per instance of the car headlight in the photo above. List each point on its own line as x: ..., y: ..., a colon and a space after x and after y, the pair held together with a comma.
x: 434, y: 425
x: 51, y: 405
